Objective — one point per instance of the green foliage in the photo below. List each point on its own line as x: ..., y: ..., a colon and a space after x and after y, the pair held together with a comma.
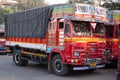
x: 72, y: 1
x: 3, y: 12
x: 112, y: 6
x: 28, y: 4
x: 21, y: 5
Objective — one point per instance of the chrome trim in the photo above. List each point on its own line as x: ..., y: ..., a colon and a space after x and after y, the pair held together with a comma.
x: 87, y: 67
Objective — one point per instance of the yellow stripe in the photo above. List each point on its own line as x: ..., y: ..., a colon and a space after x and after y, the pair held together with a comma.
x: 114, y: 40
x: 85, y: 39
x: 34, y: 54
x: 8, y: 51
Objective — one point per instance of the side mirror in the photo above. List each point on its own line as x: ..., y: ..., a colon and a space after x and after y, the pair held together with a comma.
x: 67, y: 28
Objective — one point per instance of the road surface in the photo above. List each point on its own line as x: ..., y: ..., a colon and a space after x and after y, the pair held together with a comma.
x: 35, y: 71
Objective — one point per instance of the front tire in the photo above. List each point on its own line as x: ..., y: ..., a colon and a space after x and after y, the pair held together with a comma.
x: 58, y: 67
x: 17, y: 58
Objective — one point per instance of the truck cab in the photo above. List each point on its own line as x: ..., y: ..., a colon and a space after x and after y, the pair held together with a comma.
x: 80, y: 43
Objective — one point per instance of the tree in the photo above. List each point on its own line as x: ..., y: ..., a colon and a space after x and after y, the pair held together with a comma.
x: 83, y: 1
x: 3, y: 12
x: 112, y: 6
x: 21, y: 5
x: 73, y: 1
x: 28, y: 4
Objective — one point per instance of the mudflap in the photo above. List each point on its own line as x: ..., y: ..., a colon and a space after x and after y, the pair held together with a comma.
x: 49, y: 67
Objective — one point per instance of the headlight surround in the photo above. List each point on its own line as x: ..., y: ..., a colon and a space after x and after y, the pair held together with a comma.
x: 1, y: 45
x: 108, y: 50
x: 92, y: 49
x: 76, y: 54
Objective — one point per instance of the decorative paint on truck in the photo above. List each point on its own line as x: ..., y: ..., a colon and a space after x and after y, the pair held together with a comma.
x: 57, y: 38
x: 83, y: 12
x: 91, y: 13
x: 115, y: 16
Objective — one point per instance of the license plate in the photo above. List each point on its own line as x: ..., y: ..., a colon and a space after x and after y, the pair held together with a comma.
x: 93, y: 64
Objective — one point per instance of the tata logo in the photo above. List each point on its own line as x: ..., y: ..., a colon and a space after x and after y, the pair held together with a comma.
x: 92, y: 49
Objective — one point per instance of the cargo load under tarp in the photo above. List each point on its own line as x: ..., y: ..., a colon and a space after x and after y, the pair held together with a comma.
x: 28, y: 23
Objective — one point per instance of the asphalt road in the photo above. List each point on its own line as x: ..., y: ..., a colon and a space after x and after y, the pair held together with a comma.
x: 35, y: 71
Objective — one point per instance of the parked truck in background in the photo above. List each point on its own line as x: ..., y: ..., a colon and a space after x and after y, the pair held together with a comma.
x: 3, y: 49
x: 112, y: 29
x: 64, y: 37
x: 118, y: 71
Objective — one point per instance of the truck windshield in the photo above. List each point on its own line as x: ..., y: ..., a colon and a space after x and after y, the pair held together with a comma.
x: 99, y: 30
x: 85, y: 29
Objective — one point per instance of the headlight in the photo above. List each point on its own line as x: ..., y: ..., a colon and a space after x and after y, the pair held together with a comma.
x: 76, y: 54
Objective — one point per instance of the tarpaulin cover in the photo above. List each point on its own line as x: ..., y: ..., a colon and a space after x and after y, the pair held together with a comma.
x: 28, y: 23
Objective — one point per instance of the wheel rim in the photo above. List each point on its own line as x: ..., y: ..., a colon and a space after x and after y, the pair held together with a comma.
x: 58, y: 65
x: 17, y: 58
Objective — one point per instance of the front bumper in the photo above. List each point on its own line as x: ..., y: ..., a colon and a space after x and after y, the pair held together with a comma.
x: 88, y: 67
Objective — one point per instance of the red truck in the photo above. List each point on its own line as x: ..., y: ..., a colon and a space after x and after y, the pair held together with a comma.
x: 118, y: 72
x: 3, y: 48
x: 112, y: 29
x: 64, y: 37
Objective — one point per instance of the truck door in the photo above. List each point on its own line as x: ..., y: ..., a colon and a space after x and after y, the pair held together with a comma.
x: 52, y: 33
x: 61, y: 32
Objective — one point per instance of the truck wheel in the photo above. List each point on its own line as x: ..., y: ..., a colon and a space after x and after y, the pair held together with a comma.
x: 58, y: 67
x: 17, y: 58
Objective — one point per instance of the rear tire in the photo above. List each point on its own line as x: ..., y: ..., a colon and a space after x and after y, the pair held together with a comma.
x: 58, y: 67
x: 17, y: 58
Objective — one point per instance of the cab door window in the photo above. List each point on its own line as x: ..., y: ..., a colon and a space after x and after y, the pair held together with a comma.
x: 61, y: 25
